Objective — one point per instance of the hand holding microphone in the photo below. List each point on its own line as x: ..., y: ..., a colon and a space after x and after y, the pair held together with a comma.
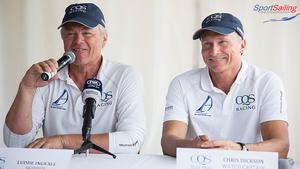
x: 67, y: 58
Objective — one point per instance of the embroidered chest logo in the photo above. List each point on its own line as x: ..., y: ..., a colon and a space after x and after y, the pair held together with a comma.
x: 205, y: 107
x: 60, y: 102
x: 129, y: 145
x: 245, y: 102
x: 106, y: 99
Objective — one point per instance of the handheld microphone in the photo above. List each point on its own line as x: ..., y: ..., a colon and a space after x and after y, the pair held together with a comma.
x: 67, y: 58
x: 91, y: 96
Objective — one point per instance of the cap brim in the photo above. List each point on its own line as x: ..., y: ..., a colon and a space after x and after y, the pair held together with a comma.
x: 220, y: 30
x: 82, y: 21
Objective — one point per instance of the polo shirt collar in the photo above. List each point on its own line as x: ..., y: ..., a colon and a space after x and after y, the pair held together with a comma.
x: 102, y: 67
x: 64, y: 73
x: 207, y: 85
x: 242, y: 73
x: 205, y: 80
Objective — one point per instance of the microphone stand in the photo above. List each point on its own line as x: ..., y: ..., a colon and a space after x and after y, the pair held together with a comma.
x: 87, y: 144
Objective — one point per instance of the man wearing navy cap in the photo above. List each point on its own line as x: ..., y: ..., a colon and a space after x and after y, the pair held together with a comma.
x: 229, y: 104
x: 57, y: 105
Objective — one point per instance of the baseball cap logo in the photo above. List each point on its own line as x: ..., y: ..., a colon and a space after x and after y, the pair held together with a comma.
x: 87, y: 14
x: 78, y: 8
x: 222, y: 23
x: 215, y: 17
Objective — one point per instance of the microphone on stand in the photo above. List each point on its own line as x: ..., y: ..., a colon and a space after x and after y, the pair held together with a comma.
x: 91, y: 95
x: 67, y: 58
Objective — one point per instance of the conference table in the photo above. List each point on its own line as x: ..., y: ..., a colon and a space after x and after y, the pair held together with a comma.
x: 129, y: 161
x: 123, y: 161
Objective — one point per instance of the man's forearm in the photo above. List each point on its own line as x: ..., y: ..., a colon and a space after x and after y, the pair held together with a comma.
x: 170, y: 143
x: 74, y: 141
x: 273, y: 145
x: 19, y: 116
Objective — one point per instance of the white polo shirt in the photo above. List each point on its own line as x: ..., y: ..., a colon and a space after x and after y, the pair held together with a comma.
x: 255, y: 97
x: 58, y: 108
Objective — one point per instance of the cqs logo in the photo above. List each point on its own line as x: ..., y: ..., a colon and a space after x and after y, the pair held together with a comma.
x: 94, y: 83
x: 205, y: 107
x: 215, y: 17
x: 61, y: 101
x: 106, y: 98
x: 245, y: 102
x: 201, y: 159
x: 78, y: 8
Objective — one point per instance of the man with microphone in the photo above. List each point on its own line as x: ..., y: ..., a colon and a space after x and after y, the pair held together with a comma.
x: 56, y: 104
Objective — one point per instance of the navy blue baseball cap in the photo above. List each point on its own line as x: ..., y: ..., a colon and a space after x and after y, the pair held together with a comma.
x: 87, y: 14
x: 222, y: 23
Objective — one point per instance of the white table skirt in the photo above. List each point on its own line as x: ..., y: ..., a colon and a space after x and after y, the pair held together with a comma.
x: 123, y: 161
x: 129, y: 161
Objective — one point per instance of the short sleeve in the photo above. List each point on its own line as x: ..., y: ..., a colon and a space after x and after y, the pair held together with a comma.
x: 176, y: 108
x: 273, y: 102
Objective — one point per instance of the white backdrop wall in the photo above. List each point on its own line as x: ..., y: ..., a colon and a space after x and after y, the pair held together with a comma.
x: 154, y: 36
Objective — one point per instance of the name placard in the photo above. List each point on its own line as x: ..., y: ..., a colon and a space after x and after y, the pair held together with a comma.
x: 191, y: 158
x: 25, y: 158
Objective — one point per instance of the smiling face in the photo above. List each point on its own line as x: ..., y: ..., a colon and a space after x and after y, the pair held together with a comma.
x: 222, y: 53
x: 86, y: 43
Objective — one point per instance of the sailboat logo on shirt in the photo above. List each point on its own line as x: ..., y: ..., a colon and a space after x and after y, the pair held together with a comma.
x: 205, y: 107
x: 61, y: 101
